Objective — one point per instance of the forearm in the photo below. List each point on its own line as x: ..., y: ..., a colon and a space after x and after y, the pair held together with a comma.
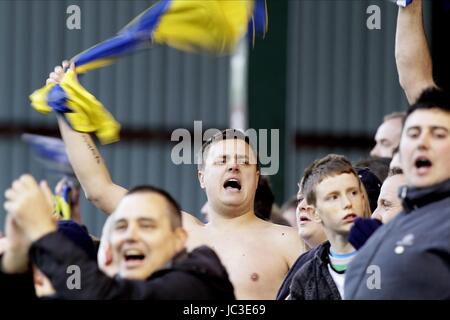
x: 15, y: 261
x: 90, y: 169
x: 412, y: 54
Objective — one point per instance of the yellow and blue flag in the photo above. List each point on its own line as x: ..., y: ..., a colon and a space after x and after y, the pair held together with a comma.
x: 51, y: 153
x: 214, y: 26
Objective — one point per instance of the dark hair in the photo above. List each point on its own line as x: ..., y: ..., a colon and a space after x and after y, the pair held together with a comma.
x: 431, y: 98
x: 372, y: 184
x: 378, y: 166
x: 225, y: 135
x: 174, y: 208
x: 328, y: 166
x: 395, y: 115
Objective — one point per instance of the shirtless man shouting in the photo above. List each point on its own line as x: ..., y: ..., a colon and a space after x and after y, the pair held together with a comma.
x: 256, y: 253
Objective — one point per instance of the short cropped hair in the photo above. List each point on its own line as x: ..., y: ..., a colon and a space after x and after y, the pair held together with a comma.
x: 395, y: 115
x: 174, y: 209
x: 328, y: 166
x: 431, y: 98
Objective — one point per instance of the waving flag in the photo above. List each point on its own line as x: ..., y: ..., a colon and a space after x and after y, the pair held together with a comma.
x: 214, y: 26
x: 51, y: 153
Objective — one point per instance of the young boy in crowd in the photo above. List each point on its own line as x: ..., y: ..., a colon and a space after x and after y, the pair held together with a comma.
x: 334, y: 189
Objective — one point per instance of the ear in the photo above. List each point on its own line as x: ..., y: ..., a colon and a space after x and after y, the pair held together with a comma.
x: 180, y: 239
x: 108, y: 254
x: 201, y: 178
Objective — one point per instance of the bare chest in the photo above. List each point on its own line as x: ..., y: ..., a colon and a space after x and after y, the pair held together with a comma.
x: 255, y: 266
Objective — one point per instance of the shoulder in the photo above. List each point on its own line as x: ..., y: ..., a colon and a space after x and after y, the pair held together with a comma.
x: 280, y: 232
x: 287, y: 240
x: 189, y: 221
x: 204, y: 260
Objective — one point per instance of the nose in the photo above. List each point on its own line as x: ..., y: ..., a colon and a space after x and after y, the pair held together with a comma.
x: 374, y: 151
x: 233, y: 165
x: 132, y: 233
x: 377, y: 214
x: 346, y: 202
x: 301, y: 206
x: 424, y: 141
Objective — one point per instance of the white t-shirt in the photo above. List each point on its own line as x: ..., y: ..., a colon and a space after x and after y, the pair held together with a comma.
x: 339, y: 279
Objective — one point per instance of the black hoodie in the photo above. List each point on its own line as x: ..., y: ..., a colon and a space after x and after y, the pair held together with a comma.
x: 195, y: 275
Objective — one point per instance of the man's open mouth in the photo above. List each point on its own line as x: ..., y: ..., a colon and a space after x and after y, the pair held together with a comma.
x: 350, y: 217
x: 423, y: 165
x: 304, y: 219
x: 232, y: 184
x: 133, y: 257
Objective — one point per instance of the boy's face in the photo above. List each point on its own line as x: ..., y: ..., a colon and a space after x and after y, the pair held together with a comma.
x: 339, y: 201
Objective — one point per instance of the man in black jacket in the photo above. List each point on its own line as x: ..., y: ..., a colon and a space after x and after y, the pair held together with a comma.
x: 333, y: 187
x: 147, y: 242
x: 409, y: 258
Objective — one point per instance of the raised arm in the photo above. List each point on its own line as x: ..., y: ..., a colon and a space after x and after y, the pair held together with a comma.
x: 90, y: 169
x: 412, y: 54
x: 88, y: 164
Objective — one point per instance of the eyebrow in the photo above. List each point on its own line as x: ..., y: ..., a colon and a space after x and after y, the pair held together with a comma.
x: 147, y: 220
x: 228, y: 156
x: 431, y: 127
x: 439, y: 128
x: 122, y: 220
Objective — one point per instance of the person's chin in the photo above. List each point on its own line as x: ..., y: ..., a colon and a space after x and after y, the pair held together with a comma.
x: 345, y: 228
x: 232, y: 200
x: 425, y: 181
x: 305, y: 233
x: 134, y: 274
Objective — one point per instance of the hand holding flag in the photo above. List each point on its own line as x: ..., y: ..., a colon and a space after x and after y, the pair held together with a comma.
x: 214, y: 26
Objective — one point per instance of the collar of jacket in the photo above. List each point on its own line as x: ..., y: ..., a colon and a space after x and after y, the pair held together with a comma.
x: 414, y: 198
x: 177, y: 258
x: 322, y: 252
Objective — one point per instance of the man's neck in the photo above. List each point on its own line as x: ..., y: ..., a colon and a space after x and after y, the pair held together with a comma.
x: 315, y: 240
x: 339, y: 243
